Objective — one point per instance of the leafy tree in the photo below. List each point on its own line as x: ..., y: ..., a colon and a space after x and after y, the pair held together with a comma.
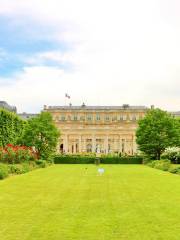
x: 156, y: 131
x: 178, y: 131
x: 41, y: 133
x: 11, y: 127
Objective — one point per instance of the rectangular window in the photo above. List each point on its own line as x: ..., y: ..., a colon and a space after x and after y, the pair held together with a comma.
x: 107, y: 118
x: 89, y: 117
x: 62, y: 118
x: 98, y: 118
x: 114, y: 118
x: 124, y: 117
x: 134, y: 117
x: 121, y: 117
x: 82, y: 118
x: 75, y: 118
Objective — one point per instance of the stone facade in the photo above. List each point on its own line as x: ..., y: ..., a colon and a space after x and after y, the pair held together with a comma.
x: 97, y: 128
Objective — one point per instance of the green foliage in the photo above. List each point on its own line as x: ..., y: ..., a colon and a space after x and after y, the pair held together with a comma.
x: 77, y: 159
x: 160, y: 164
x: 172, y: 154
x: 121, y: 160
x: 175, y: 169
x: 14, y: 169
x: 3, y: 171
x: 11, y: 127
x: 163, y: 164
x: 41, y: 133
x: 42, y: 163
x: 19, y: 168
x: 156, y: 131
x: 17, y: 154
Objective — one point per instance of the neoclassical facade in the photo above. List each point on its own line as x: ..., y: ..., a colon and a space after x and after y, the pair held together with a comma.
x: 90, y: 128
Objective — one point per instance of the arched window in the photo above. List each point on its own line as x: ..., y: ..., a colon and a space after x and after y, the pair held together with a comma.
x: 98, y: 118
x: 89, y: 148
x: 107, y: 118
x: 61, y: 148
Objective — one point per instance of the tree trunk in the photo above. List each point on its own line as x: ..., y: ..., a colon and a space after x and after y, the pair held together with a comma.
x: 158, y: 155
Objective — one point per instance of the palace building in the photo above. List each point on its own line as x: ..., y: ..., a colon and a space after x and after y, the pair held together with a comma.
x: 107, y: 129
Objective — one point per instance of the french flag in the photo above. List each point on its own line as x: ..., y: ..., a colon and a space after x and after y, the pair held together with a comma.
x: 66, y: 95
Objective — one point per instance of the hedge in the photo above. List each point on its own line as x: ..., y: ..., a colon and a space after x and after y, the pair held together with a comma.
x: 11, y: 127
x: 74, y: 159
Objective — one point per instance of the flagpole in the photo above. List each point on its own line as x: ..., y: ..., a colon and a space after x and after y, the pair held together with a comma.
x: 67, y: 96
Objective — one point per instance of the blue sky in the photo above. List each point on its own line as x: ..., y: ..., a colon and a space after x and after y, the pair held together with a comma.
x: 99, y: 52
x: 20, y: 41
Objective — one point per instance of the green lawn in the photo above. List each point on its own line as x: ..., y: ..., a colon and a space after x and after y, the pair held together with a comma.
x: 65, y: 202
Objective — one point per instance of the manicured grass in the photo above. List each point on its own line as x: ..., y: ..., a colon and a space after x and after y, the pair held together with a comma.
x: 69, y: 202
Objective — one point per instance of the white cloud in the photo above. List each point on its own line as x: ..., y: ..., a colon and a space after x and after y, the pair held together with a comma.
x: 121, y: 52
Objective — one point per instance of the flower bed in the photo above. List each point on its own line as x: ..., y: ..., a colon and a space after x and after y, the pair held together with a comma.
x: 18, y: 160
x: 17, y: 154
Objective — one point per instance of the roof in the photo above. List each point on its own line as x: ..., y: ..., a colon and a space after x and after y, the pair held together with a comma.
x: 177, y: 114
x: 27, y: 115
x: 84, y: 107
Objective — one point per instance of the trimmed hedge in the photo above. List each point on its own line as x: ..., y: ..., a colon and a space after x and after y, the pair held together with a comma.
x: 121, y: 160
x: 76, y: 159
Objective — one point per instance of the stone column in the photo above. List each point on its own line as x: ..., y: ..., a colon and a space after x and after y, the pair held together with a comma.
x: 120, y: 145
x: 106, y: 144
x: 125, y: 145
x: 83, y: 140
x: 80, y: 143
x: 74, y: 147
x: 58, y: 146
x: 134, y: 144
x: 93, y: 144
x: 116, y: 146
x: 65, y: 143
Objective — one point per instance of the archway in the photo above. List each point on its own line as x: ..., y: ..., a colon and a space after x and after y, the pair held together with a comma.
x: 61, y: 148
x: 89, y: 148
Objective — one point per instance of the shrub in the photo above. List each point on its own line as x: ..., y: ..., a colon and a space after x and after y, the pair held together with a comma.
x: 78, y: 159
x: 152, y: 163
x: 175, y: 169
x: 172, y: 154
x: 25, y: 168
x: 41, y: 163
x: 163, y: 164
x: 13, y: 169
x: 17, y: 154
x: 160, y: 164
x: 3, y: 171
x: 19, y: 168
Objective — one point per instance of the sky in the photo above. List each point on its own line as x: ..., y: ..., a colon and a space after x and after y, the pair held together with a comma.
x: 100, y: 52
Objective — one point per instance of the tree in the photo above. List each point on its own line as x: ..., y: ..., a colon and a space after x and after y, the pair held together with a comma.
x: 11, y: 127
x: 156, y: 131
x: 41, y: 133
